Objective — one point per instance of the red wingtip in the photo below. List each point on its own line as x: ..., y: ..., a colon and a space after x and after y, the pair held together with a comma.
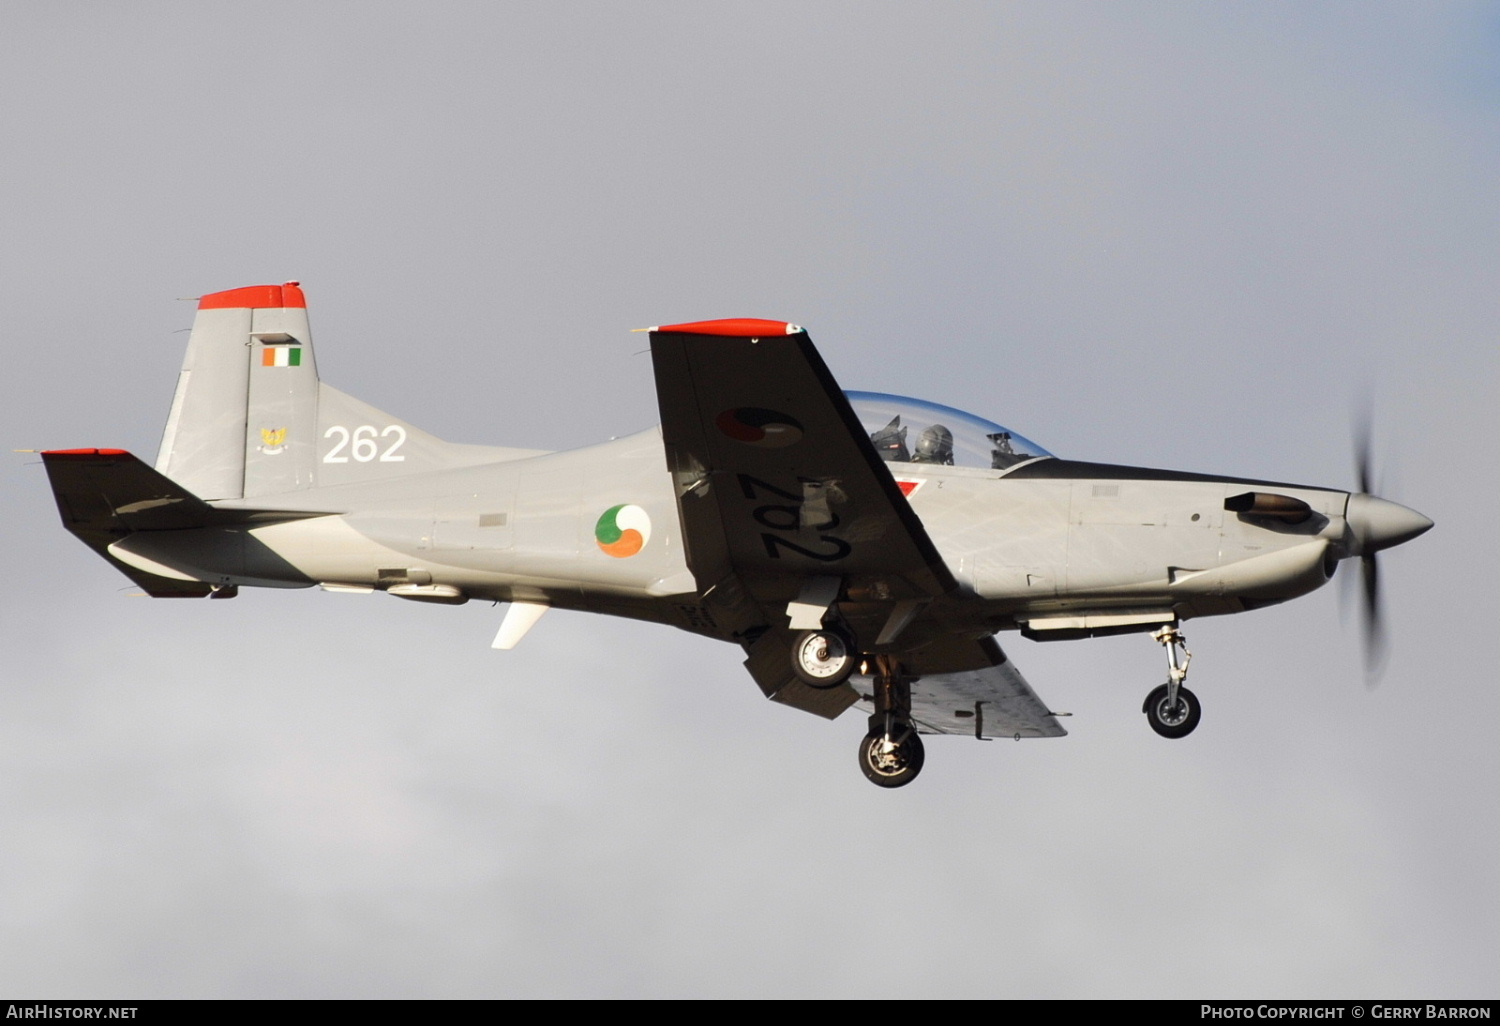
x: 83, y: 453
x: 737, y: 327
x: 256, y: 297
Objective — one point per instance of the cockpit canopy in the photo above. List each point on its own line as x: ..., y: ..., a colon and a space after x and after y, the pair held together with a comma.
x: 906, y: 430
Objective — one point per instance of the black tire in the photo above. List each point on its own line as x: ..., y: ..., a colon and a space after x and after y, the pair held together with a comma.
x: 1178, y: 722
x: 896, y: 771
x: 823, y: 659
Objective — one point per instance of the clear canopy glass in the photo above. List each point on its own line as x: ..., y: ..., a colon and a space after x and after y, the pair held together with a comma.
x: 906, y: 430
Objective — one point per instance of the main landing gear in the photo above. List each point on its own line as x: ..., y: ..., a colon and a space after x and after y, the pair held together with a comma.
x: 889, y: 762
x: 823, y: 658
x: 1171, y: 709
x: 891, y: 754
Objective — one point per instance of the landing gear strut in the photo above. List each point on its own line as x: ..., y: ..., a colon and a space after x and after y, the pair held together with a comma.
x: 891, y: 754
x: 1171, y: 709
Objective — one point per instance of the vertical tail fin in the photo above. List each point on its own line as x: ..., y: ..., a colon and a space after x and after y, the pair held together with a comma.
x: 250, y: 417
x: 244, y: 419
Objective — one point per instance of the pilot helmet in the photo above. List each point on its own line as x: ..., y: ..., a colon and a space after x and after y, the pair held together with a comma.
x: 935, y: 446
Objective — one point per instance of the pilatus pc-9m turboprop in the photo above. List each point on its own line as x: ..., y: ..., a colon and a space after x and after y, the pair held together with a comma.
x: 862, y: 549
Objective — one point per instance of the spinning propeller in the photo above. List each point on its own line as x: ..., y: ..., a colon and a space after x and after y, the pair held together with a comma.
x: 1374, y: 524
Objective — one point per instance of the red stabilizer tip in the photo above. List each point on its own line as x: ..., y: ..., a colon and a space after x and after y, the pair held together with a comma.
x: 84, y: 453
x: 255, y: 297
x: 739, y: 327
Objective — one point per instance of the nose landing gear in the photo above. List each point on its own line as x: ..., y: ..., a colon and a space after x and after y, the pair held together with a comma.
x: 1171, y: 709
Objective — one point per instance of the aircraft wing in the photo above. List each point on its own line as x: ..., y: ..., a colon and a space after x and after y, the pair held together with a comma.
x: 784, y: 500
x: 987, y: 703
x: 776, y: 479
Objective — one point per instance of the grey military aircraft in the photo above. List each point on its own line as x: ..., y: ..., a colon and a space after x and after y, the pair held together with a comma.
x: 862, y: 549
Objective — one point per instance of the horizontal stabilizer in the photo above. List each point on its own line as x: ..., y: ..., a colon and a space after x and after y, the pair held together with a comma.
x: 111, y: 490
x: 104, y: 495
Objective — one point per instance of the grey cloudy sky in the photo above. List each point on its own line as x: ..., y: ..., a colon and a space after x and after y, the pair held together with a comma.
x: 1184, y: 235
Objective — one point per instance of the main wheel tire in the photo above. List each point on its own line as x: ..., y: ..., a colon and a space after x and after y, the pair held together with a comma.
x: 823, y: 659
x: 1168, y: 722
x: 891, y: 769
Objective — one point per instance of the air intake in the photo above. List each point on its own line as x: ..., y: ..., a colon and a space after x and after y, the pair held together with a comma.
x: 1270, y: 506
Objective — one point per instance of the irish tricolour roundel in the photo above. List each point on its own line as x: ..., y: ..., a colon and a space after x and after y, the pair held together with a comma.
x: 622, y: 531
x: 752, y: 425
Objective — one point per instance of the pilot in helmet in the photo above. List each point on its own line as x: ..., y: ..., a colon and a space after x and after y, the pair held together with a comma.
x: 935, y: 446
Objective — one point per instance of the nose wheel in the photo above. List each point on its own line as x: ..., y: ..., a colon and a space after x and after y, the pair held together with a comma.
x: 1171, y: 709
x: 1169, y: 718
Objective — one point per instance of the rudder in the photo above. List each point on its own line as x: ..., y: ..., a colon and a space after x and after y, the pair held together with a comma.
x: 244, y: 417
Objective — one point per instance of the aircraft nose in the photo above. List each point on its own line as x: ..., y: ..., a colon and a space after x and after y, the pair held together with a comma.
x: 1381, y: 524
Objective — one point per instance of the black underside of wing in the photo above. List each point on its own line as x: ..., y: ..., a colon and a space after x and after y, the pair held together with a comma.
x: 776, y: 479
x: 778, y: 485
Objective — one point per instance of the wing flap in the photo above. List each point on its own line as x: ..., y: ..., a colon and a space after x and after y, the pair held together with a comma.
x: 992, y: 702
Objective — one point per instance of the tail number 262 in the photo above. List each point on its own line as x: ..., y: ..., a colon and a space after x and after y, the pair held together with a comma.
x: 362, y: 445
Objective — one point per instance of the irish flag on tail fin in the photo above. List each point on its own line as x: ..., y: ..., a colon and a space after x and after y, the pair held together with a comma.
x: 281, y: 356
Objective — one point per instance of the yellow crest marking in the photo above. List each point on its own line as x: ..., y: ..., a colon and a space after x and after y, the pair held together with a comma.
x: 273, y: 437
